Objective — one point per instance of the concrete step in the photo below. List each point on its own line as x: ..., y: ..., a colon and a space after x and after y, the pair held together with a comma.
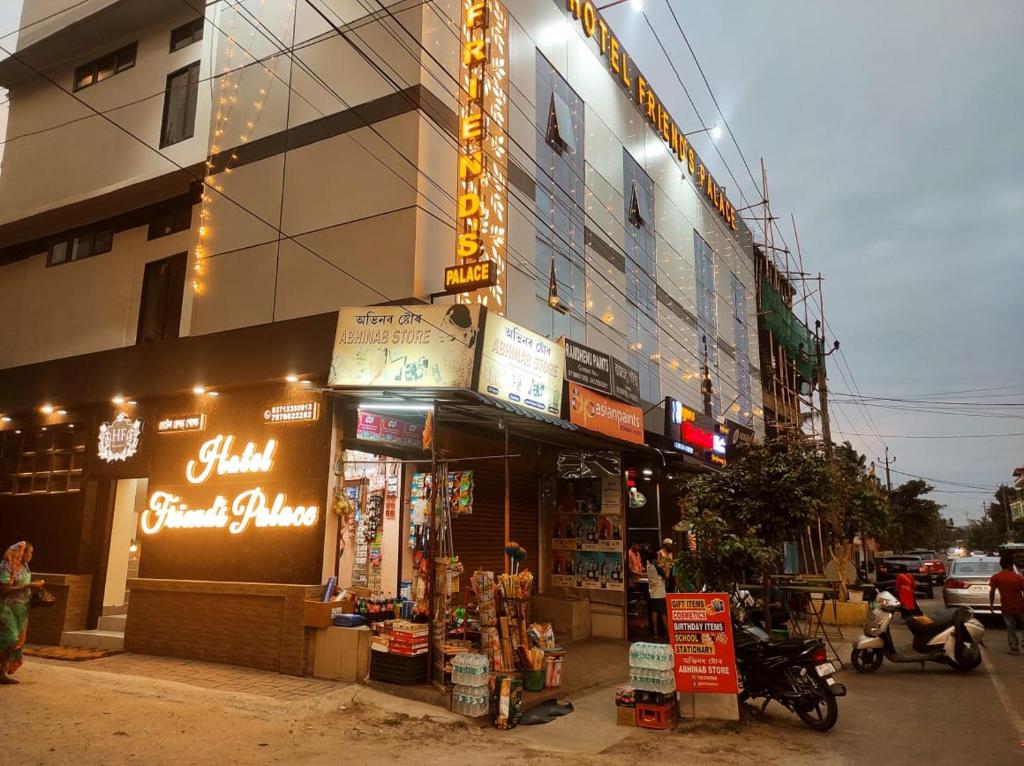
x: 114, y: 610
x: 93, y: 639
x: 114, y: 622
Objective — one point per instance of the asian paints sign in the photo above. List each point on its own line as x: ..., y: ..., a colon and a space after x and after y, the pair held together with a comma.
x: 249, y: 508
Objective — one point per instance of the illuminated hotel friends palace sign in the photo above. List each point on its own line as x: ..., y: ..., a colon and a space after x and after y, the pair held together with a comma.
x: 641, y: 92
x: 481, y: 217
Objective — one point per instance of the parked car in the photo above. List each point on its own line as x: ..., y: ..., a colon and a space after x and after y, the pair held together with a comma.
x: 967, y: 583
x: 936, y: 566
x: 891, y: 566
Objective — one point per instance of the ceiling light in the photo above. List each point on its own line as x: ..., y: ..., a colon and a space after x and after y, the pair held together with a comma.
x: 397, y: 407
x: 132, y: 402
x: 293, y: 378
x: 62, y: 412
x: 46, y: 409
x: 648, y: 472
x: 199, y: 390
x: 5, y: 419
x: 213, y: 393
x: 71, y: 425
x: 118, y: 400
x: 43, y: 428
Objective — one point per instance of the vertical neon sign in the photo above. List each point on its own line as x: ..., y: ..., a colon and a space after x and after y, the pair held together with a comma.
x: 482, y: 215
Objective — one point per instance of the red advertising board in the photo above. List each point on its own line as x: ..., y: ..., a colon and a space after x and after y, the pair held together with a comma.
x: 700, y: 627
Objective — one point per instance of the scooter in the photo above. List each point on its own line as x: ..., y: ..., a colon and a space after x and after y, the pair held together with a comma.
x: 955, y: 641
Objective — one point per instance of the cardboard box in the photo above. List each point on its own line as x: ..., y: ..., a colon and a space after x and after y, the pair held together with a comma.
x: 343, y: 654
x: 626, y: 716
x: 317, y: 614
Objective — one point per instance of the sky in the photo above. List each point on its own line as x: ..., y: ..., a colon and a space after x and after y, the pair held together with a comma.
x: 891, y: 131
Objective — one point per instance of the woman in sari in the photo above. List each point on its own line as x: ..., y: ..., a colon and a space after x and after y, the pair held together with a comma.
x: 15, y: 592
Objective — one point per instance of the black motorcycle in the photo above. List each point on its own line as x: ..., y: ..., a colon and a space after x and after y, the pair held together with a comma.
x: 794, y: 672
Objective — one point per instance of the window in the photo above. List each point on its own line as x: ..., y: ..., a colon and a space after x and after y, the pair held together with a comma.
x: 45, y: 460
x: 707, y: 315
x: 180, y: 100
x: 80, y: 246
x: 160, y: 309
x: 744, y: 399
x: 560, y: 133
x: 105, y: 67
x: 186, y: 34
x: 170, y: 221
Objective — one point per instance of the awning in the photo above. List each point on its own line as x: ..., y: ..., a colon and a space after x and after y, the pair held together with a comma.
x: 470, y: 408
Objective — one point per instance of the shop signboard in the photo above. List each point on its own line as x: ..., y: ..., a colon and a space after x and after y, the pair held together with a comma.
x: 601, y: 414
x: 520, y: 366
x: 625, y: 383
x: 587, y: 366
x: 405, y: 346
x: 384, y: 428
x: 296, y: 412
x: 695, y: 433
x: 180, y: 424
x: 700, y: 631
x: 119, y: 440
x: 1017, y: 509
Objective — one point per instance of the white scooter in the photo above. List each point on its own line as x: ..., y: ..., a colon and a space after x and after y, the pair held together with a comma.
x: 955, y: 641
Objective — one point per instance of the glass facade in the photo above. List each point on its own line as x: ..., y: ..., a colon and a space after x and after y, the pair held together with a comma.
x: 707, y: 316
x: 641, y: 281
x: 744, y: 398
x: 559, y: 196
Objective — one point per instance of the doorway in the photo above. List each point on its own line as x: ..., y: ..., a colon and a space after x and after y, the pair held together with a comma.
x: 125, y: 548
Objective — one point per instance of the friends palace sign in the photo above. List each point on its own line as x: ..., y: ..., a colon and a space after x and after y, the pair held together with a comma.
x: 643, y: 95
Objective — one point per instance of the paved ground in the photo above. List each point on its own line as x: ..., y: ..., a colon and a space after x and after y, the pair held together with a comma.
x: 132, y: 709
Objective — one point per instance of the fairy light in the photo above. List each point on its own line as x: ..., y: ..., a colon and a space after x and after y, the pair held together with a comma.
x: 227, y: 98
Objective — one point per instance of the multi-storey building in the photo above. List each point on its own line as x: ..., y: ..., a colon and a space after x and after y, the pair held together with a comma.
x: 189, y: 193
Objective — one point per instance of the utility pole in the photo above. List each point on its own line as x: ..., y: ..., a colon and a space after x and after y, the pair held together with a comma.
x: 888, y: 462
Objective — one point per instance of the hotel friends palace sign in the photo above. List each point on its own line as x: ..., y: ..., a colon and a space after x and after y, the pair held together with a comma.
x: 481, y: 216
x: 643, y: 95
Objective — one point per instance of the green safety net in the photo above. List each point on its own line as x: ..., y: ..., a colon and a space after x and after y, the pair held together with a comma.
x: 792, y: 334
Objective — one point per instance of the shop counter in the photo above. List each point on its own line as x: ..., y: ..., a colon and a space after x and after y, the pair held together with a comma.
x: 258, y: 625
x: 69, y: 612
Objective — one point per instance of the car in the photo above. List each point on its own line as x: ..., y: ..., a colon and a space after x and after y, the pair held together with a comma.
x: 890, y: 566
x: 967, y: 583
x: 936, y: 566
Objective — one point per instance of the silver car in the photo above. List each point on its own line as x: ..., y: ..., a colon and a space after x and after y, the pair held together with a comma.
x: 967, y: 583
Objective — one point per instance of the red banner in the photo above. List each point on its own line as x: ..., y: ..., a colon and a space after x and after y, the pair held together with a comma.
x: 700, y: 627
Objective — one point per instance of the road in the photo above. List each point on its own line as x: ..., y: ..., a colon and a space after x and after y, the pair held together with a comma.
x: 132, y: 709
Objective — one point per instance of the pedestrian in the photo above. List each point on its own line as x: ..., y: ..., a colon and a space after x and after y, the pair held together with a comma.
x: 16, y: 586
x: 656, y: 595
x: 1010, y: 586
x: 667, y: 554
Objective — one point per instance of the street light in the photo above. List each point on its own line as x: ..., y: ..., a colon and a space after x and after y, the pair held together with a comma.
x: 637, y: 5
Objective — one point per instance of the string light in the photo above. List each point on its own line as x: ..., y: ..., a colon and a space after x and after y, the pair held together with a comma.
x: 227, y: 98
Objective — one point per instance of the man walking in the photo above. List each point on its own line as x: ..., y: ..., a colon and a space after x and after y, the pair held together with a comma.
x: 1011, y: 600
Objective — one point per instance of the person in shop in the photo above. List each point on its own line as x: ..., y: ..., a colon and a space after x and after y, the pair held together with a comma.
x: 657, y: 608
x: 16, y: 586
x: 667, y: 553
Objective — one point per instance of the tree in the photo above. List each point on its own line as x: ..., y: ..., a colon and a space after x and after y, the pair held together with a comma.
x: 742, y: 514
x: 916, y: 520
x: 858, y: 504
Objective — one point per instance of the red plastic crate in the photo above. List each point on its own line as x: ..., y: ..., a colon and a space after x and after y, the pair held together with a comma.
x: 655, y: 716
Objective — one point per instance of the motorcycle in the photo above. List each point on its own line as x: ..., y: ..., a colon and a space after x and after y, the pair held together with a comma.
x: 794, y: 672
x: 955, y: 641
